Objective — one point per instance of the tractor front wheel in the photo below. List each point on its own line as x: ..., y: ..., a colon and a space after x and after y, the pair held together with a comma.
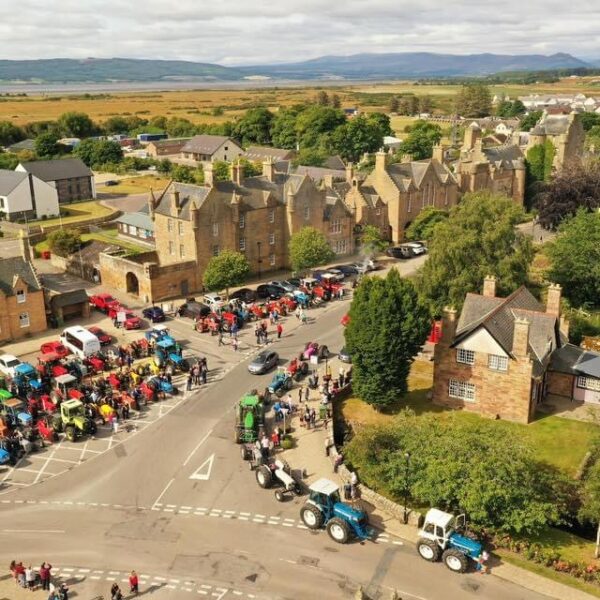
x: 428, y: 550
x: 264, y: 477
x: 279, y: 496
x: 455, y: 560
x: 338, y: 530
x: 71, y: 433
x: 311, y: 516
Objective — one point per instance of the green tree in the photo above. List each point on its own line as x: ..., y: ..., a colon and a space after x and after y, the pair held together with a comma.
x: 159, y: 121
x: 76, y: 124
x: 182, y: 174
x: 309, y: 248
x: 388, y: 325
x: 254, y: 127
x: 322, y: 98
x: 590, y: 500
x: 372, y: 240
x: 315, y: 121
x: 575, y: 258
x: 478, y: 239
x: 538, y: 168
x: 589, y: 120
x: 592, y: 139
x: 226, y: 270
x: 177, y: 127
x: 461, y: 465
x: 336, y: 101
x: 423, y: 227
x: 221, y: 170
x: 10, y: 134
x: 251, y: 169
x: 46, y: 145
x: 64, y: 242
x: 283, y: 127
x: 576, y: 186
x: 116, y: 124
x: 529, y: 121
x: 425, y: 104
x: 311, y: 157
x: 356, y: 137
x: 421, y: 138
x: 508, y: 109
x: 9, y: 161
x: 99, y: 152
x: 474, y: 101
x: 409, y: 105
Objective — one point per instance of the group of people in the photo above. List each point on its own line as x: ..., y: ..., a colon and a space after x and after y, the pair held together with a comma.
x: 198, y: 373
x: 28, y: 577
x: 261, y: 332
x: 134, y: 587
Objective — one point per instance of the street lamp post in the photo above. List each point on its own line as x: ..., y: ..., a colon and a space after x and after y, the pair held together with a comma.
x: 406, y: 485
x: 258, y: 244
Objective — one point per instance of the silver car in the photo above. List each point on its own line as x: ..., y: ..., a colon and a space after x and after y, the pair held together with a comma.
x: 263, y: 362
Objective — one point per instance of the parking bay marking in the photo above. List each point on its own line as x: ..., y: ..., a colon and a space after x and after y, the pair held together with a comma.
x: 206, y: 467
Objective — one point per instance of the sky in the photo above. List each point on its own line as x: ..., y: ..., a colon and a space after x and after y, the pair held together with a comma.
x: 246, y: 32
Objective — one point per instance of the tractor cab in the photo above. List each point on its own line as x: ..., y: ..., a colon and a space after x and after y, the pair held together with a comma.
x: 443, y: 534
x: 73, y: 421
x: 50, y: 364
x: 250, y: 419
x: 159, y: 332
x: 167, y: 351
x: 14, y: 410
x: 66, y: 386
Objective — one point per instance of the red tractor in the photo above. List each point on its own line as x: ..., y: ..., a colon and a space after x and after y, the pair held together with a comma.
x: 297, y: 369
x: 50, y: 365
x: 54, y: 348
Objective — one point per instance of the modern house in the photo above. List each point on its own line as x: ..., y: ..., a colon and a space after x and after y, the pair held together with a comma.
x: 210, y: 148
x: 25, y: 196
x: 71, y: 177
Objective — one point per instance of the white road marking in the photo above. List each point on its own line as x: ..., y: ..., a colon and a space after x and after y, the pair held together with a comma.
x: 187, y: 460
x: 206, y: 466
x: 163, y: 492
x: 34, y: 531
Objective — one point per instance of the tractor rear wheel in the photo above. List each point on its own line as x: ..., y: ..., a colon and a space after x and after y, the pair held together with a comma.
x: 311, y: 516
x: 264, y: 477
x: 428, y: 550
x: 71, y: 433
x: 338, y: 530
x: 323, y: 352
x: 455, y: 560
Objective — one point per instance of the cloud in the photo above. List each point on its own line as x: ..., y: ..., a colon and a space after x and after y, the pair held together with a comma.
x: 235, y: 32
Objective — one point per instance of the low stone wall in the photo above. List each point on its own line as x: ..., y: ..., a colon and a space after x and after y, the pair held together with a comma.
x: 367, y: 494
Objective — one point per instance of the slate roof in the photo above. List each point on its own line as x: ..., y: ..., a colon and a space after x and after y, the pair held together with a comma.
x: 334, y: 162
x: 507, y: 156
x: 403, y: 174
x: 497, y: 316
x: 9, y: 180
x: 319, y: 173
x: 69, y: 298
x: 552, y: 125
x: 28, y: 144
x: 576, y: 361
x: 17, y: 266
x: 260, y: 153
x: 206, y: 144
x: 137, y: 219
x: 54, y: 170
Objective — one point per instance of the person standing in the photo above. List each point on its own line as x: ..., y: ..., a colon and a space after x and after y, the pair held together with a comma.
x: 264, y: 447
x: 189, y: 383
x: 45, y: 571
x: 279, y: 330
x: 234, y: 343
x: 133, y: 583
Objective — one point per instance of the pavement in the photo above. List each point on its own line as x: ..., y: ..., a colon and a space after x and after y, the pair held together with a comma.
x: 172, y: 499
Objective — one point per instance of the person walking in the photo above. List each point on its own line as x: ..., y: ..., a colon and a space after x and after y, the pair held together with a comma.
x: 45, y: 572
x: 279, y: 330
x: 133, y: 583
x: 115, y: 592
x: 234, y: 343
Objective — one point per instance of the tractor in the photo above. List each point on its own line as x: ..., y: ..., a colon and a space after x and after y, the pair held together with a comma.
x: 14, y: 410
x: 281, y: 382
x: 278, y: 471
x: 313, y: 349
x: 324, y: 508
x: 73, y: 421
x: 168, y: 353
x: 439, y: 537
x: 66, y: 387
x: 159, y: 332
x: 249, y: 419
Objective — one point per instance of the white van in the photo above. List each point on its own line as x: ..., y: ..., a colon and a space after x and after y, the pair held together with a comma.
x: 80, y: 341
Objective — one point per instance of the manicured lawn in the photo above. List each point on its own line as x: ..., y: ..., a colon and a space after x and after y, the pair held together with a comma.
x: 110, y: 236
x: 136, y: 185
x: 80, y: 211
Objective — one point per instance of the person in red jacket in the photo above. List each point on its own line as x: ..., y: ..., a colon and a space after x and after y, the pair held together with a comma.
x: 45, y: 571
x: 133, y: 583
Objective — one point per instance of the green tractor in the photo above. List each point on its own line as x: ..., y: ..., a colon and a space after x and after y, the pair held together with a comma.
x: 249, y: 419
x: 72, y: 420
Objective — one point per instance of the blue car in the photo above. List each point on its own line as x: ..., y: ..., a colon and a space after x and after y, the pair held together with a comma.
x: 155, y: 314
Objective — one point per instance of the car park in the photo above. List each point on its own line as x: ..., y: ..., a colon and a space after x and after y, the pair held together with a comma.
x: 263, y: 362
x: 8, y: 362
x: 155, y: 314
x: 102, y: 336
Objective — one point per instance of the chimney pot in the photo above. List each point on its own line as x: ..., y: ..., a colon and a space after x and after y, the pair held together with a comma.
x: 520, y: 337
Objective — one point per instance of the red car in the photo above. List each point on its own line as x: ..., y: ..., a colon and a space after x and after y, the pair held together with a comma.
x: 132, y: 321
x: 54, y: 348
x: 103, y: 302
x: 103, y: 337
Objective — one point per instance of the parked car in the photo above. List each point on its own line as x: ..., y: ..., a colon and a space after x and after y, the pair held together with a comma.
x: 111, y: 182
x: 417, y: 248
x: 244, y: 294
x: 103, y: 337
x: 8, y: 362
x: 155, y: 314
x: 344, y: 355
x: 286, y: 285
x: 295, y: 281
x: 361, y: 268
x: 193, y: 310
x: 213, y: 300
x: 267, y: 290
x: 132, y: 321
x: 55, y: 347
x: 263, y: 362
x: 399, y: 252
x: 338, y: 275
x: 347, y: 270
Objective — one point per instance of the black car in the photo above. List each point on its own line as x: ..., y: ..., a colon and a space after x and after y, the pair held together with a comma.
x: 193, y: 310
x: 347, y: 270
x: 399, y: 252
x: 263, y: 362
x: 268, y: 290
x: 245, y: 295
x: 111, y: 182
x: 154, y: 314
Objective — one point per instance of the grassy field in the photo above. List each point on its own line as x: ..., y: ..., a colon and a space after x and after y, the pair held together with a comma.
x: 560, y: 442
x: 80, y: 211
x: 135, y: 185
x: 110, y: 236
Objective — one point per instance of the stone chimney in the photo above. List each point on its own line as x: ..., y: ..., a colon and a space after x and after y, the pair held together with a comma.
x: 291, y: 201
x: 268, y: 169
x: 478, y: 150
x: 195, y: 215
x: 472, y: 134
x: 152, y: 202
x: 175, y: 205
x: 349, y: 173
x: 448, y: 325
x: 380, y: 161
x: 209, y: 175
x: 520, y: 337
x: 328, y: 180
x: 553, y: 300
x: 489, y: 286
x: 237, y: 173
x: 438, y: 153
x: 24, y: 245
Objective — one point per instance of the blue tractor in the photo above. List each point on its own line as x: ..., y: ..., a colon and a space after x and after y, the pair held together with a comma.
x: 159, y: 332
x: 442, y: 535
x: 281, y: 382
x: 167, y: 352
x: 325, y: 509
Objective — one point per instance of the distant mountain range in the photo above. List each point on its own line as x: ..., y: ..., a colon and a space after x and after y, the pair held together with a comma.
x: 404, y: 65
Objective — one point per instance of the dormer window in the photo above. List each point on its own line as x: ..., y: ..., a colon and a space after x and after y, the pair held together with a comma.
x: 21, y: 296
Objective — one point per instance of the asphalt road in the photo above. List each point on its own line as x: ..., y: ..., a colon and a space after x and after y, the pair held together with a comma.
x: 177, y: 504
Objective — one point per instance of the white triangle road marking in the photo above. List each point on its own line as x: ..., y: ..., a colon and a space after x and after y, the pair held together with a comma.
x: 205, y: 467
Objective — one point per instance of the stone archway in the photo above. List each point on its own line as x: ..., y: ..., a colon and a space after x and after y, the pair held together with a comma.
x: 132, y: 284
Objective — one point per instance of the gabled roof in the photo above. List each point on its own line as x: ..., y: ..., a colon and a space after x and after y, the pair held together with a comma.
x: 334, y: 162
x: 188, y: 194
x: 260, y: 153
x: 412, y: 173
x: 319, y: 173
x: 206, y: 144
x: 508, y: 156
x: 497, y: 316
x: 61, y: 168
x: 576, y: 361
x: 9, y: 180
x: 17, y: 267
x: 28, y: 144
